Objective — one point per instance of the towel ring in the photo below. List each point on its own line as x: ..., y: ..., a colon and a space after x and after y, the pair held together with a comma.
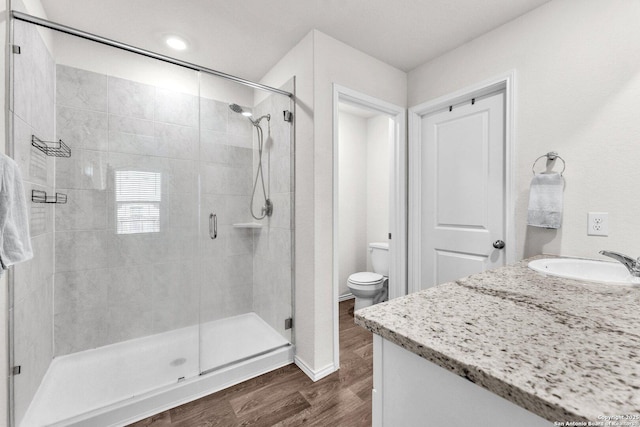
x: 551, y: 155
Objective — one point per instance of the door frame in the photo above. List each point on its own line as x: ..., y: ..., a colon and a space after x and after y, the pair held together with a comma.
x: 505, y: 82
x: 398, y: 194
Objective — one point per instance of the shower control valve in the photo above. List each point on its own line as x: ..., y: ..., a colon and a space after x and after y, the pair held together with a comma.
x: 267, y: 209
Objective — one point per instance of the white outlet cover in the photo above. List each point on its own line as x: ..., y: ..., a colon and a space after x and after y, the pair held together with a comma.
x: 598, y: 224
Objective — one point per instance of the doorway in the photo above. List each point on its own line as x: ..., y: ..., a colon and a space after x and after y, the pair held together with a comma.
x: 461, y: 204
x: 386, y: 141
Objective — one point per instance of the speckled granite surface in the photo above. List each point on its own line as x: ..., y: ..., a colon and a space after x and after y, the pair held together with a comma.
x: 560, y: 348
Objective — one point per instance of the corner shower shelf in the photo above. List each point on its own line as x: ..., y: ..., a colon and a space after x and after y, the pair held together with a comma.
x: 247, y: 225
x: 38, y: 196
x: 51, y: 148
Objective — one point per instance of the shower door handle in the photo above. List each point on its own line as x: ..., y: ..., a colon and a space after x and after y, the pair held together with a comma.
x: 213, y: 226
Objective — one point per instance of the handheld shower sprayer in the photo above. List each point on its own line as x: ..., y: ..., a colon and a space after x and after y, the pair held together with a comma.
x: 267, y: 208
x: 238, y: 109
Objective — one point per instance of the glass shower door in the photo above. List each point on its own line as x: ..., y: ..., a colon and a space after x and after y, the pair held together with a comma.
x: 246, y: 280
x: 108, y: 308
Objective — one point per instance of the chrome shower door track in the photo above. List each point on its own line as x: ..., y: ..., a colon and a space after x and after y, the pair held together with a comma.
x: 129, y: 48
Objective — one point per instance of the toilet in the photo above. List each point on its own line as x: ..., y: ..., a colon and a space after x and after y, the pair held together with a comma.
x: 371, y: 288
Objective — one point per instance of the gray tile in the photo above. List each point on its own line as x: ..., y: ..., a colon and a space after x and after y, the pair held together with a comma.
x: 43, y: 102
x: 80, y: 330
x: 127, y: 322
x: 244, y: 141
x: 280, y: 175
x: 137, y: 249
x: 131, y: 287
x: 274, y: 244
x: 33, y: 342
x: 238, y: 124
x: 178, y: 142
x: 218, y: 179
x: 182, y: 210
x: 181, y: 175
x: 176, y: 108
x: 23, y: 67
x: 228, y: 208
x: 238, y: 241
x: 76, y: 291
x: 84, y: 170
x: 130, y: 135
x: 81, y: 89
x: 220, y: 302
x: 130, y: 125
x: 239, y: 180
x: 237, y: 269
x: 213, y: 147
x: 81, y: 250
x: 173, y: 318
x: 34, y: 274
x: 213, y: 180
x: 40, y: 214
x: 181, y: 243
x: 281, y: 217
x: 214, y: 115
x: 240, y: 157
x: 279, y: 144
x: 129, y: 98
x: 175, y: 295
x: 82, y: 128
x: 84, y: 210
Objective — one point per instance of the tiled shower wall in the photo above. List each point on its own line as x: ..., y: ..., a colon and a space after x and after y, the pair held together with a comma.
x: 112, y: 287
x: 272, y: 262
x: 33, y: 114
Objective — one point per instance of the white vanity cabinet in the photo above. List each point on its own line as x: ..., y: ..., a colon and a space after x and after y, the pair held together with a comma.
x: 410, y: 391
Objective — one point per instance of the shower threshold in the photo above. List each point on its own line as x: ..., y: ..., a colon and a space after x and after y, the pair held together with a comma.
x: 124, y: 382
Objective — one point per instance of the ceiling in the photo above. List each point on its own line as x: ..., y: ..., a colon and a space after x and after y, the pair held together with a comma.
x: 247, y: 37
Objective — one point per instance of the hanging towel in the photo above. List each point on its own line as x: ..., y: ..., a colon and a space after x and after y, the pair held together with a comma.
x: 545, y: 200
x: 15, y: 243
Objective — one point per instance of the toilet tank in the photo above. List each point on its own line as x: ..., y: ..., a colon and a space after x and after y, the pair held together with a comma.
x: 380, y: 257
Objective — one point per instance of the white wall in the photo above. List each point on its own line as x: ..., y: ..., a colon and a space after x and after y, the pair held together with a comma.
x: 363, y: 191
x: 352, y: 197
x: 577, y: 88
x: 335, y: 62
x: 318, y: 62
x: 378, y: 178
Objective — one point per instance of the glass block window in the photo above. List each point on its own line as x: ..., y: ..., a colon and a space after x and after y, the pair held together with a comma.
x: 138, y: 197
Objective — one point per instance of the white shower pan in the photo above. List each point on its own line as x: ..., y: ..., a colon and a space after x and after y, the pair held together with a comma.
x: 125, y: 382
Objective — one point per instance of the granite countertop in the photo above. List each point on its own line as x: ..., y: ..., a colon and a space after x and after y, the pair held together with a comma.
x: 563, y: 349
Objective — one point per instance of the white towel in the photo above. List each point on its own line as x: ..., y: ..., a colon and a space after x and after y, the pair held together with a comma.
x: 546, y: 200
x: 15, y: 243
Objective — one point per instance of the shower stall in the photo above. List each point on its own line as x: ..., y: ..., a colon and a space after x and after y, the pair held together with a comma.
x: 153, y: 283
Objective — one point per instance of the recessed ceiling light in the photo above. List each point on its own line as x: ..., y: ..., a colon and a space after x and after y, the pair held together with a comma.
x: 176, y: 43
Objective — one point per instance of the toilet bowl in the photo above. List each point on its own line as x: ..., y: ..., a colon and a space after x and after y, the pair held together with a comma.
x: 372, y: 287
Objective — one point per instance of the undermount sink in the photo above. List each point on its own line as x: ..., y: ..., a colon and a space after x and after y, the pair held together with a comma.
x: 585, y: 269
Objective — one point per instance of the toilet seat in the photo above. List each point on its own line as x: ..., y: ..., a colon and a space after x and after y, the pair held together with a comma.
x: 366, y: 278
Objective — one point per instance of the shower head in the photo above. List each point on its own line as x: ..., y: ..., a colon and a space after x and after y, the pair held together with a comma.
x: 238, y: 109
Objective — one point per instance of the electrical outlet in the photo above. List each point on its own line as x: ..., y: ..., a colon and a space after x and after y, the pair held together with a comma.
x: 598, y: 224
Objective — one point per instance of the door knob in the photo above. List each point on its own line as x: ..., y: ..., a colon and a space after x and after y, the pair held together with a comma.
x: 498, y: 244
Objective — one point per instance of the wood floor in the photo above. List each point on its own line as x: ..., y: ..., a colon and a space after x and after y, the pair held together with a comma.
x: 287, y: 397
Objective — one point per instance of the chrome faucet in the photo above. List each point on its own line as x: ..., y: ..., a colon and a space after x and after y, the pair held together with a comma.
x: 633, y: 265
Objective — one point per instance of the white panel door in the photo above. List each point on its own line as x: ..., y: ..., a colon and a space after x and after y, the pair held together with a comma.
x: 462, y: 190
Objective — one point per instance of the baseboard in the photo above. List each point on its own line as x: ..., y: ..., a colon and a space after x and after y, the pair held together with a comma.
x: 346, y: 297
x: 314, y: 375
